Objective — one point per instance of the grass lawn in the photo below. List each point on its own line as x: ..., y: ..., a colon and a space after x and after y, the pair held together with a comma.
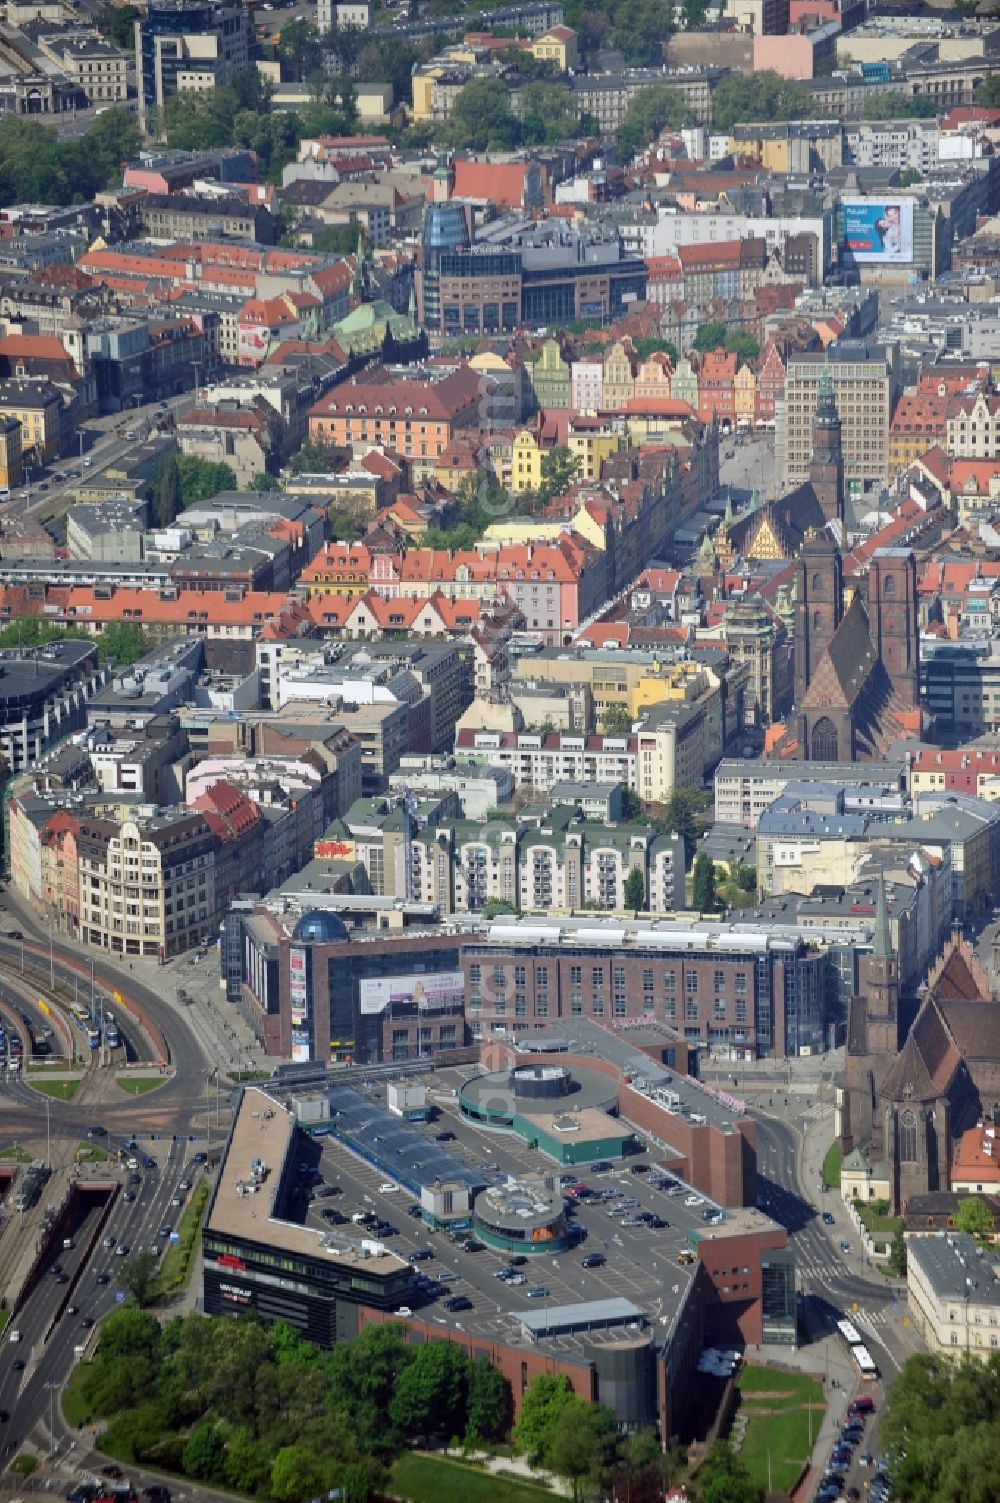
x: 92, y: 1153
x: 779, y: 1423
x: 879, y: 1226
x: 59, y: 1090
x: 179, y: 1259
x: 75, y: 1411
x: 14, y: 1151
x: 138, y: 1085
x: 432, y: 1479
x: 831, y: 1166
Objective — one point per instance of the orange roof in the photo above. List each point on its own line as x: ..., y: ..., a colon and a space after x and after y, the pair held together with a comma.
x: 500, y: 183
x: 977, y: 1156
x: 34, y: 347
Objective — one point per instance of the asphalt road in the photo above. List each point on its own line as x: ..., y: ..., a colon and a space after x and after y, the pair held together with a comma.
x: 830, y: 1286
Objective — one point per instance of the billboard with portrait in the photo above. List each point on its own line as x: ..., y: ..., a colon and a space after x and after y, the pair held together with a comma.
x: 446, y: 989
x: 877, y: 231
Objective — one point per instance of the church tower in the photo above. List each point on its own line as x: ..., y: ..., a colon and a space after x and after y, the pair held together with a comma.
x: 819, y: 605
x: 883, y: 983
x: 826, y: 466
x: 895, y: 619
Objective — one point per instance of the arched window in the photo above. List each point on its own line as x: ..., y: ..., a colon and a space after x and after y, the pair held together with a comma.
x: 908, y: 1138
x: 888, y: 585
x: 817, y: 619
x: 817, y: 583
x: 824, y: 740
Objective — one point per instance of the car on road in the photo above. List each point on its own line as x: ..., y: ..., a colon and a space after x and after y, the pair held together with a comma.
x: 458, y: 1302
x: 601, y: 1166
x: 149, y: 1162
x: 594, y: 1260
x: 862, y: 1405
x: 693, y: 1200
x: 845, y: 1246
x: 87, y: 1322
x: 335, y: 1218
x: 828, y: 1218
x: 656, y: 1223
x: 196, y: 1158
x: 104, y: 1278
x: 62, y: 1278
x: 111, y: 1470
x: 537, y: 1291
x: 165, y: 1230
x: 121, y: 1251
x: 404, y: 1310
x: 72, y: 1310
x: 157, y: 1494
x: 444, y: 1137
x: 18, y: 1365
x: 388, y: 1188
x: 128, y: 1195
x: 514, y: 1280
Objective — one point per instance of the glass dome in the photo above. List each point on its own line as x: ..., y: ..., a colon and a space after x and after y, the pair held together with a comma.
x: 319, y: 927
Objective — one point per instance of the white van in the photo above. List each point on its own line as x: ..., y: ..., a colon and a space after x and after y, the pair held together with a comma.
x: 14, y: 1337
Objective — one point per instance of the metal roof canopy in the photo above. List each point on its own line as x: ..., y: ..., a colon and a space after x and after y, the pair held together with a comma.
x: 400, y: 1150
x: 588, y: 1315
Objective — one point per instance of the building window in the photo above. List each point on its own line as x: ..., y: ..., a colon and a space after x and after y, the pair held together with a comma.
x: 908, y: 1138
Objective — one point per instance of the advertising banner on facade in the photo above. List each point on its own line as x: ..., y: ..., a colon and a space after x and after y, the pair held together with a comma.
x: 446, y: 989
x: 877, y: 231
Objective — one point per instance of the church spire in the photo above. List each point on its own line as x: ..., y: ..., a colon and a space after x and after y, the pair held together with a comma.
x: 881, y: 943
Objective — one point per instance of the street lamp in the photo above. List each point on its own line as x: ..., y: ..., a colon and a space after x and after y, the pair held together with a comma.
x: 81, y: 434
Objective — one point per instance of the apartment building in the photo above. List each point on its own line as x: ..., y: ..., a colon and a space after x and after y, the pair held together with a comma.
x: 416, y: 418
x: 37, y: 407
x: 953, y: 1294
x: 98, y: 68
x: 560, y: 861
x: 866, y: 386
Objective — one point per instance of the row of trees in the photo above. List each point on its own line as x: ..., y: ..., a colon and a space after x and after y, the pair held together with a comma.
x: 36, y: 167
x: 259, y: 1409
x: 942, y: 1423
x: 186, y: 480
x: 119, y: 644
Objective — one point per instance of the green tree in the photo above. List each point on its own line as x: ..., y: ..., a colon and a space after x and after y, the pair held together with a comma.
x: 711, y: 336
x: 265, y: 481
x: 616, y: 720
x: 117, y: 24
x: 481, y: 117
x: 167, y: 497
x: 297, y: 1474
x: 339, y: 239
x: 299, y: 47
x: 893, y: 104
x: 635, y: 891
x: 581, y: 1445
x: 703, y: 884
x: 545, y: 1397
x: 973, y: 1216
x: 429, y: 1395
x: 201, y: 479
x: 648, y: 113
x: 192, y: 120
x: 988, y: 92
x: 313, y: 459
x: 121, y: 644
x: 724, y: 1478
x: 756, y: 97
x: 248, y: 1462
x: 388, y: 60
x: 204, y: 1453
x: 682, y: 814
x: 495, y: 907
x: 548, y: 114
x: 559, y: 469
x: 138, y: 1273
x: 128, y: 1334
x: 361, y: 1482
x: 737, y: 342
x: 487, y: 1402
x: 897, y: 1253
x: 910, y: 176
x: 31, y: 631
x: 631, y: 805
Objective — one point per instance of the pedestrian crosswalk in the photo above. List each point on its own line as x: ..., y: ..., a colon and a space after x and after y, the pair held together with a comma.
x: 818, y: 1111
